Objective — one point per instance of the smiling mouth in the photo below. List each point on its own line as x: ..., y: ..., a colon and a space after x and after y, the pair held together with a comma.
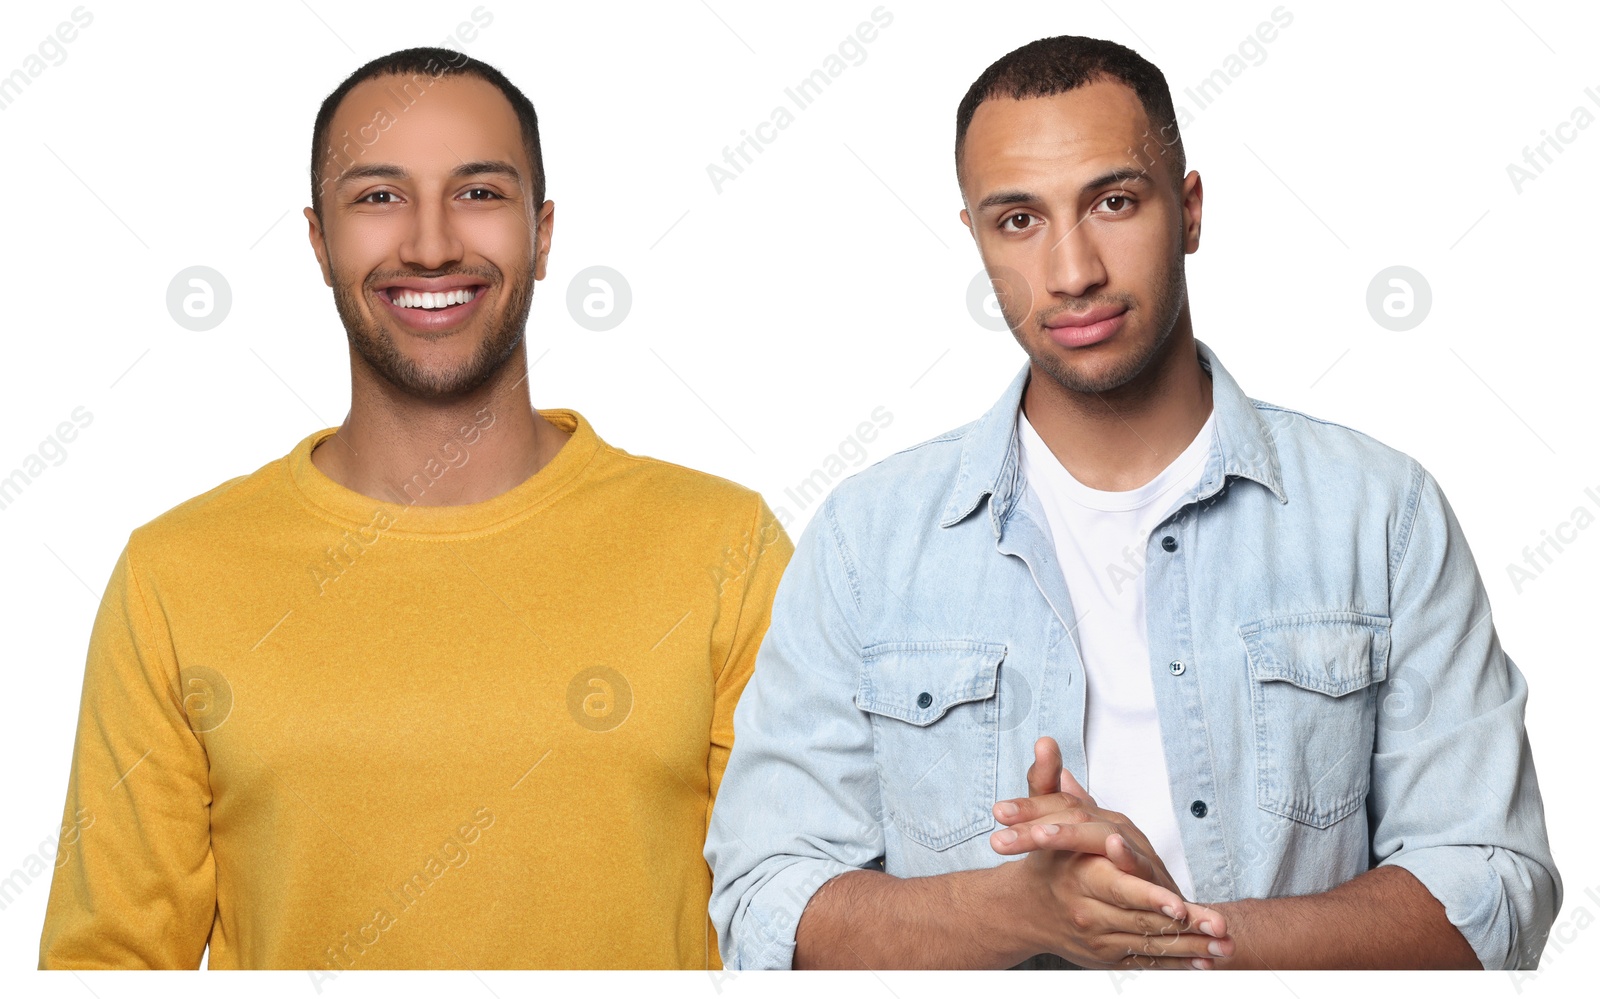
x: 429, y: 301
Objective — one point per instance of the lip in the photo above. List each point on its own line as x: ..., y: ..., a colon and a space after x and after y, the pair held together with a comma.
x: 434, y: 284
x: 433, y: 320
x: 1090, y: 328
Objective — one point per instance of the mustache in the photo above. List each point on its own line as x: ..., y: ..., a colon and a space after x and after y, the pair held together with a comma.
x: 487, y: 274
x: 1087, y: 305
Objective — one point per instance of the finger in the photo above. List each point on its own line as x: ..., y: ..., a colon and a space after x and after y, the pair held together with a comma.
x: 1025, y: 837
x: 1044, y: 777
x: 1136, y: 892
x: 1145, y: 905
x: 1107, y: 934
x: 1079, y: 837
x: 1116, y: 932
x: 1141, y: 962
x: 1070, y: 785
x: 1131, y: 891
x: 1135, y: 837
x: 1206, y: 920
x: 1015, y: 810
x: 1141, y: 922
x: 1183, y: 947
x: 1128, y: 859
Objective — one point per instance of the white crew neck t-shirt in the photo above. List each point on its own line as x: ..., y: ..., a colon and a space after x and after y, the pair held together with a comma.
x: 1099, y: 539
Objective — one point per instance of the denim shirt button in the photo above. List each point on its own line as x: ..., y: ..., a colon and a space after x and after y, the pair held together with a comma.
x: 1169, y: 543
x: 1176, y: 667
x: 1197, y: 809
x: 924, y: 699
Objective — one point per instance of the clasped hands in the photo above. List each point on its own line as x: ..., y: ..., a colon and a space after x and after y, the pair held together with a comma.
x: 1102, y: 896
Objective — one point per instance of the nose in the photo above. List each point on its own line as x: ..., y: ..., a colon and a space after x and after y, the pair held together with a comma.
x: 1075, y: 268
x: 431, y: 243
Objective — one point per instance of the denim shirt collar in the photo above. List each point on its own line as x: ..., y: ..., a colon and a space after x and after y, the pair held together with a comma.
x: 1245, y: 445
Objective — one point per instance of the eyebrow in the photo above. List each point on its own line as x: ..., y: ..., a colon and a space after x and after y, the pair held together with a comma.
x: 1120, y: 175
x: 389, y: 171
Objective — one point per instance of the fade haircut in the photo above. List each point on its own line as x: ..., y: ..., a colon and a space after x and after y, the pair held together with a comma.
x: 435, y: 63
x: 1056, y: 65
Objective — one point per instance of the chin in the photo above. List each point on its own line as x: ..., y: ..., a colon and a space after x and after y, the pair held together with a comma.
x: 1109, y: 368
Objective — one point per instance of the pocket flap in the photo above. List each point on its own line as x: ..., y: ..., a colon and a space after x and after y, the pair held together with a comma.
x: 918, y: 682
x: 1333, y: 652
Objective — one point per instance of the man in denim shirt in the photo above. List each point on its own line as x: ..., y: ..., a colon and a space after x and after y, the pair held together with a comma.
x: 1288, y: 683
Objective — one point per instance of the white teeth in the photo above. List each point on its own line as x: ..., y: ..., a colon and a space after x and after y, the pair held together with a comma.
x: 431, y: 299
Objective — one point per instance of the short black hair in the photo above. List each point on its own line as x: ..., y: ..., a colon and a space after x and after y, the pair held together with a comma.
x: 1056, y: 65
x: 434, y: 62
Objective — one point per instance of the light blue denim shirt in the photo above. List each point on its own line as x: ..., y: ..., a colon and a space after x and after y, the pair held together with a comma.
x: 1331, y: 692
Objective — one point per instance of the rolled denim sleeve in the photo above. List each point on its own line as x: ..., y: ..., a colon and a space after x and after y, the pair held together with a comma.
x: 799, y: 802
x: 1455, y: 799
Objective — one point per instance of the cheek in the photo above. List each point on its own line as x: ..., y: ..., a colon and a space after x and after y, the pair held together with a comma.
x: 1018, y: 271
x: 356, y: 250
x: 502, y: 240
x: 1140, y: 258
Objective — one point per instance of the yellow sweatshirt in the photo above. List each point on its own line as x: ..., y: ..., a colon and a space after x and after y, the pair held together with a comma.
x: 324, y: 731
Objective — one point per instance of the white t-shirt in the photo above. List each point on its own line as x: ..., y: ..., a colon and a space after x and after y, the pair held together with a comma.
x: 1100, y: 538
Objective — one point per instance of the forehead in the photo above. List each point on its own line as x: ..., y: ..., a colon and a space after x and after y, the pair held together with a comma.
x: 423, y: 123
x: 1069, y: 136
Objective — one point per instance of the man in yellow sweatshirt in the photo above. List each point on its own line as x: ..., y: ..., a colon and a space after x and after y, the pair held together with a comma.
x: 450, y: 685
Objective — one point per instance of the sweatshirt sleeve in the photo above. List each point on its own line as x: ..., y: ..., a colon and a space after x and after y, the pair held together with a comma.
x: 748, y: 579
x: 134, y: 883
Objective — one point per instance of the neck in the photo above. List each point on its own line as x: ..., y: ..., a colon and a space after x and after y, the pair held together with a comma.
x: 1121, y: 439
x: 466, y: 449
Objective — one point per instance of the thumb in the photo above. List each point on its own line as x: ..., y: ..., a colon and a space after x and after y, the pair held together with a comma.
x: 1044, y: 777
x: 1121, y: 854
x: 1070, y: 785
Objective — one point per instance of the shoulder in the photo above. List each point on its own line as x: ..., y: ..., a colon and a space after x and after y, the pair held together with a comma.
x: 657, y: 483
x: 905, y: 491
x: 1336, y: 467
x: 1308, y: 442
x: 237, y: 505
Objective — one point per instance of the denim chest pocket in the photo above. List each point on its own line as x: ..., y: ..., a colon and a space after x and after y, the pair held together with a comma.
x: 1313, y: 689
x: 935, y: 731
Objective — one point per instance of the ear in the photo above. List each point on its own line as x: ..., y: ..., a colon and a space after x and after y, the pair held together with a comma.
x: 1193, y: 195
x: 542, y: 234
x: 966, y: 220
x: 319, y: 246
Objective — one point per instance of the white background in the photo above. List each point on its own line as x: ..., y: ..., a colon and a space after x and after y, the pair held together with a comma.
x: 771, y: 318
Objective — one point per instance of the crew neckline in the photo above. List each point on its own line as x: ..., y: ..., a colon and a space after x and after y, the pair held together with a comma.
x: 345, y: 506
x: 1038, y: 456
